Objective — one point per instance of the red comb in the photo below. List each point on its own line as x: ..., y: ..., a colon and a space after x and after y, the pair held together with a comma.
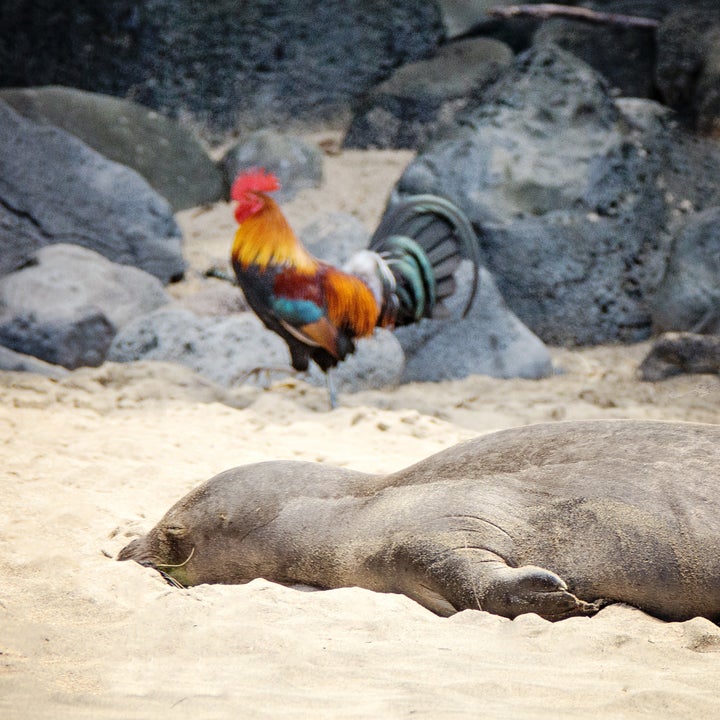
x: 253, y: 180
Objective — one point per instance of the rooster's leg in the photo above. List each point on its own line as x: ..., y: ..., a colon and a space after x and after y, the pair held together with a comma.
x: 331, y: 388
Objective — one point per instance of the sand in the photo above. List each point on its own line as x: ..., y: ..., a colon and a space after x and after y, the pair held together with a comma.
x: 95, y: 459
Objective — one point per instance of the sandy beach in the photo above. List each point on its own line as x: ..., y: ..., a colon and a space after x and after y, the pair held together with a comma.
x: 92, y: 460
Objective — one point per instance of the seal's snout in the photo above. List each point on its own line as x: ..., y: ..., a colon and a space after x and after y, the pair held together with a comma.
x: 133, y: 551
x: 154, y: 551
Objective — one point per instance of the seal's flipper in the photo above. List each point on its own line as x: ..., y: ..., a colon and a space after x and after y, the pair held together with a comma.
x: 432, y: 600
x: 530, y: 589
x: 479, y: 579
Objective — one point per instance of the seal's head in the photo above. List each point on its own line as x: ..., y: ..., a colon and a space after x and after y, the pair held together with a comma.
x: 165, y: 549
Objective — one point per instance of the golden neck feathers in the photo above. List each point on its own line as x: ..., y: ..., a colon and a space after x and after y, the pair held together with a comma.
x: 265, y: 239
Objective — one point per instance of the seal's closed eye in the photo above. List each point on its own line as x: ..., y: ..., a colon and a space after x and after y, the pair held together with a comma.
x: 176, y: 530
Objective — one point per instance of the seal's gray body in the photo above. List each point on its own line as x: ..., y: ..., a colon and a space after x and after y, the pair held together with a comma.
x: 555, y: 519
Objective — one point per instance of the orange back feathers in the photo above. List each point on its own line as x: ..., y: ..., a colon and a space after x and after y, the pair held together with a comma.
x: 350, y: 302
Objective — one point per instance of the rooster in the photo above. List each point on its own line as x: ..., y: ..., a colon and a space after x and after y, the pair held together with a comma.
x: 320, y: 310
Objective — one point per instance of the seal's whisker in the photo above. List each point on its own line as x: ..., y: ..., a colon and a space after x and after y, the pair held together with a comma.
x: 170, y: 580
x: 185, y: 562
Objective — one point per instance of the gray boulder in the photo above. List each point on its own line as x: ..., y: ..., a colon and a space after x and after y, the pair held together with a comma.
x: 681, y: 353
x: 466, y: 17
x: 54, y: 188
x: 215, y: 297
x: 228, y: 350
x: 11, y: 361
x: 68, y: 304
x: 222, y: 349
x: 575, y: 195
x: 335, y: 237
x: 688, y: 297
x: 297, y: 164
x: 462, y: 18
x: 489, y: 341
x: 377, y: 363
x: 687, y: 72
x: 167, y: 155
x: 624, y: 56
x: 421, y: 99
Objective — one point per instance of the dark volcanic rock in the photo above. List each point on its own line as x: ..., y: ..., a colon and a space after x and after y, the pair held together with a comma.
x: 377, y: 362
x: 165, y: 154
x: 222, y: 349
x: 227, y: 350
x: 421, y: 99
x: 66, y: 307
x: 335, y: 237
x: 54, y: 188
x: 681, y: 353
x: 575, y: 194
x: 489, y: 341
x: 297, y: 164
x: 11, y: 361
x: 227, y: 64
x: 688, y: 65
x: 688, y: 298
x: 625, y: 56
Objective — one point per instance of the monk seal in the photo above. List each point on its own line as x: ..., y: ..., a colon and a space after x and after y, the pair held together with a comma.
x: 556, y: 519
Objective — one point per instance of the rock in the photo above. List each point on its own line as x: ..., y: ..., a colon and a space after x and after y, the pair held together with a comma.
x: 421, y: 99
x: 624, y: 56
x: 297, y: 164
x: 57, y: 189
x: 66, y: 307
x: 335, y: 238
x: 167, y: 155
x: 71, y: 338
x: 377, y: 363
x: 462, y: 18
x: 574, y: 193
x: 688, y: 297
x: 465, y: 17
x: 688, y: 65
x: 214, y: 298
x: 489, y: 341
x: 226, y: 350
x: 222, y: 349
x: 678, y: 353
x: 655, y: 9
x: 223, y: 65
x: 11, y: 361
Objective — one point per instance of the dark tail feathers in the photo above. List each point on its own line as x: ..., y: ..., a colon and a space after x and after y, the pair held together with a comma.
x: 422, y: 239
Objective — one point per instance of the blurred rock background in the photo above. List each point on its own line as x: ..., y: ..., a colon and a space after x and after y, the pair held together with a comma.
x: 586, y: 155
